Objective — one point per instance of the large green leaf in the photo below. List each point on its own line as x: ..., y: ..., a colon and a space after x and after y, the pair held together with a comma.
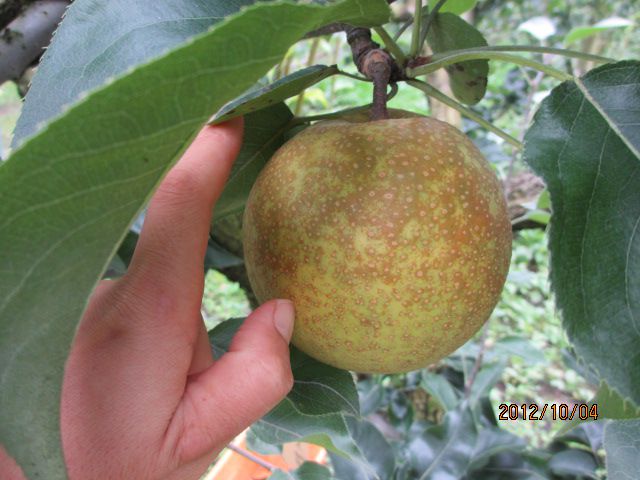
x: 584, y: 142
x: 468, y: 79
x: 275, y: 92
x: 100, y: 40
x: 69, y: 194
x: 264, y: 133
x: 622, y: 444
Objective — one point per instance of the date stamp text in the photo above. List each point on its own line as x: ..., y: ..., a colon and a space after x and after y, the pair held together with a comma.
x: 554, y: 411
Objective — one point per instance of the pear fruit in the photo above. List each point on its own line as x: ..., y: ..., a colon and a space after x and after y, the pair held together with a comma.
x: 391, y: 237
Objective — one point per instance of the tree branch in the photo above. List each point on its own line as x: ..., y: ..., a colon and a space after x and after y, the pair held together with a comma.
x: 374, y: 63
x: 23, y: 40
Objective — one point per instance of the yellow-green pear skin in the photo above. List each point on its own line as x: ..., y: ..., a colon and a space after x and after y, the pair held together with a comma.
x: 391, y: 237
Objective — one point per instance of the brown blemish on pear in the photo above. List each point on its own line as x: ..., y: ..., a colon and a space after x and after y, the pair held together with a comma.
x: 391, y: 238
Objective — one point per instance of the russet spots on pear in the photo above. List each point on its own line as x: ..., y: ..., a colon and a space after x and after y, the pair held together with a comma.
x: 391, y: 238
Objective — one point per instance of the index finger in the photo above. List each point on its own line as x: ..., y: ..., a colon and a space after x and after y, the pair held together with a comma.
x: 170, y: 252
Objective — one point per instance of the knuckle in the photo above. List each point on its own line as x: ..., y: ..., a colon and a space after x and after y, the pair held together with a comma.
x: 180, y: 186
x: 276, y: 372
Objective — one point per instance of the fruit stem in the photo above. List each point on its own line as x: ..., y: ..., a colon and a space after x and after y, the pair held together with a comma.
x: 380, y: 74
x: 466, y: 111
x: 328, y: 116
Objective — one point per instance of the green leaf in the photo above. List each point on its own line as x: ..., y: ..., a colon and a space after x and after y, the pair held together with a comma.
x: 468, y: 79
x: 612, y: 405
x: 69, y: 194
x: 286, y: 424
x: 584, y: 142
x: 306, y: 471
x: 492, y: 441
x: 622, y: 445
x: 445, y: 450
x: 264, y: 133
x: 573, y: 462
x: 454, y: 6
x: 516, y: 346
x: 488, y: 375
x: 439, y: 388
x: 319, y: 388
x: 580, y: 33
x: 122, y: 35
x: 275, y: 92
x: 375, y: 448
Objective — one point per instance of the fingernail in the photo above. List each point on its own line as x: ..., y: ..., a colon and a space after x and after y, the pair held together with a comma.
x: 283, y: 318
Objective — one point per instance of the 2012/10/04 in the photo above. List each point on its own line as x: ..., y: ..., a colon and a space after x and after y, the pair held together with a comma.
x: 558, y: 411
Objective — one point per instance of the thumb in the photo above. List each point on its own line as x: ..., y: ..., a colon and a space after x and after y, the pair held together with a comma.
x: 240, y: 387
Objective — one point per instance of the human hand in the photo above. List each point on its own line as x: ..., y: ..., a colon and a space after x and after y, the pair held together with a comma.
x: 142, y: 395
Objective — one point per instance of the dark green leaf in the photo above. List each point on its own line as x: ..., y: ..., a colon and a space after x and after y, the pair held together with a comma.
x: 371, y: 395
x: 446, y: 450
x: 514, y: 465
x: 488, y: 375
x: 275, y: 92
x: 306, y: 471
x: 584, y: 142
x: 622, y: 444
x: 516, y: 346
x: 438, y: 387
x: 589, y: 434
x: 492, y: 441
x: 612, y: 405
x: 454, y: 6
x: 375, y: 448
x: 578, y: 463
x: 319, y: 388
x: 263, y: 134
x: 468, y: 79
x: 69, y: 194
x: 218, y: 257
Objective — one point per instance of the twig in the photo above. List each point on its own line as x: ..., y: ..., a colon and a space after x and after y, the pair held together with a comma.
x: 391, y: 45
x: 250, y: 456
x: 466, y: 111
x: 416, y: 46
x: 429, y: 20
x: 478, y: 363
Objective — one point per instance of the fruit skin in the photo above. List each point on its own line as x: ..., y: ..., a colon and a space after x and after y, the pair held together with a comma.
x: 391, y: 238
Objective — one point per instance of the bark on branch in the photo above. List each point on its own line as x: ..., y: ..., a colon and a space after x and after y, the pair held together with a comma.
x: 24, y: 39
x: 374, y: 63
